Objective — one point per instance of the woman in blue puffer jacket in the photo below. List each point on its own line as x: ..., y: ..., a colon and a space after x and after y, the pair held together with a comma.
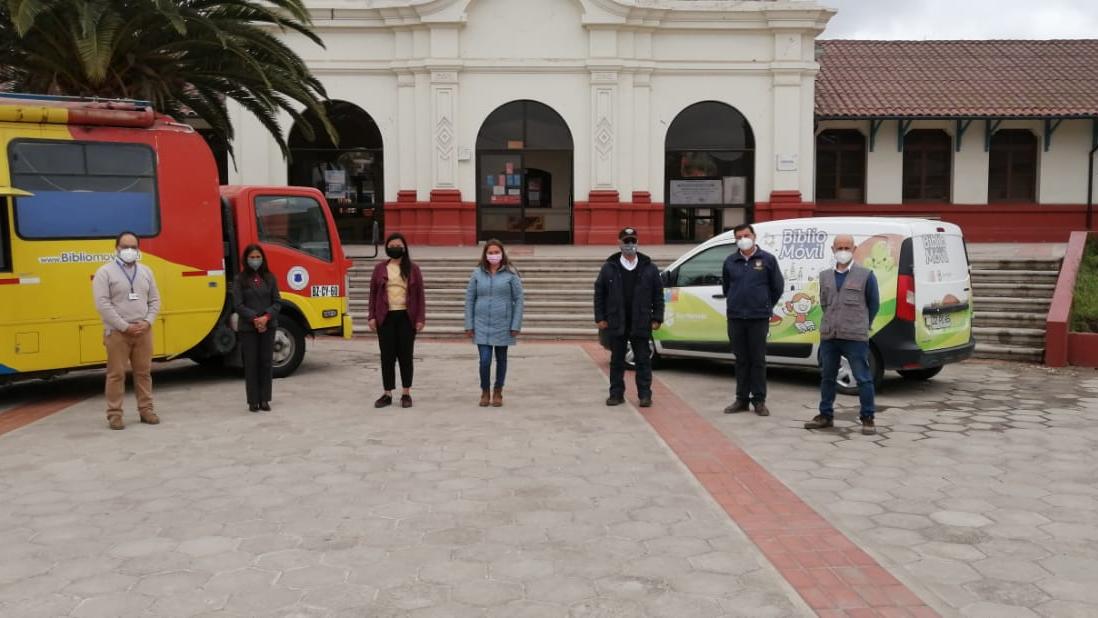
x: 493, y: 316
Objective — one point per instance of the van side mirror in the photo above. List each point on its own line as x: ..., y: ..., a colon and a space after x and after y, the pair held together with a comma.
x: 667, y: 277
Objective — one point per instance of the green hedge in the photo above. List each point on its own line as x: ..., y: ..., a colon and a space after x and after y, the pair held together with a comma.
x: 1084, y: 308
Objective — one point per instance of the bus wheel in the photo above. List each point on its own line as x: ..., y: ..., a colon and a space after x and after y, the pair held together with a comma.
x: 919, y: 374
x: 847, y: 385
x: 289, y: 347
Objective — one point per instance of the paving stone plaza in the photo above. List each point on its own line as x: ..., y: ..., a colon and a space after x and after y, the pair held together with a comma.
x: 976, y: 498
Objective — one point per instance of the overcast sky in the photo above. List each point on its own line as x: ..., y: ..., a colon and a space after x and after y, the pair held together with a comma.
x: 963, y: 19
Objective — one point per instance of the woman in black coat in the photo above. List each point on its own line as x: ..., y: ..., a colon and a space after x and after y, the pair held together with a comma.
x: 256, y: 302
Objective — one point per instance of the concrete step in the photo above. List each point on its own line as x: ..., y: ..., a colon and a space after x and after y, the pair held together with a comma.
x: 1017, y: 290
x: 1014, y: 337
x: 1015, y: 264
x: 1012, y: 304
x: 1010, y: 353
x: 1008, y: 276
x: 1009, y: 319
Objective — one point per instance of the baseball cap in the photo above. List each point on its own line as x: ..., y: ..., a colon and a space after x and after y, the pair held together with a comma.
x: 627, y: 232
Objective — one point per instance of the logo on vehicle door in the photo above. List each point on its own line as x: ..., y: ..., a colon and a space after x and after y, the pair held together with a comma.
x: 297, y: 278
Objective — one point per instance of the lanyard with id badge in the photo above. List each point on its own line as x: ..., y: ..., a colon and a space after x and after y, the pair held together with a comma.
x: 133, y: 295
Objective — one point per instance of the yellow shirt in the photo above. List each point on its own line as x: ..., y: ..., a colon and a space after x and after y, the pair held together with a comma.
x: 397, y: 288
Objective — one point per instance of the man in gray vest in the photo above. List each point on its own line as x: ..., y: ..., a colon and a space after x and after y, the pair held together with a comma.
x: 850, y: 300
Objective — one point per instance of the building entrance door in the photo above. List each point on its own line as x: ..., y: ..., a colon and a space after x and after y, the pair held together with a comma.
x: 524, y: 176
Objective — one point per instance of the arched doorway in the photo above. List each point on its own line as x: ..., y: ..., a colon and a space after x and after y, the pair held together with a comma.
x: 524, y: 175
x: 709, y: 175
x: 349, y: 174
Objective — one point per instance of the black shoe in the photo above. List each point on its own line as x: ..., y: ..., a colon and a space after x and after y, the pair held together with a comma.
x: 253, y: 407
x: 384, y: 401
x: 820, y: 422
x: 869, y: 428
x: 761, y: 409
x: 405, y: 401
x: 739, y: 405
x: 265, y: 406
x: 615, y: 400
x: 646, y: 402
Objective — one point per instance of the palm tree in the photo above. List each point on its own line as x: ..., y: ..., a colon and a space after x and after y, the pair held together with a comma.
x: 183, y: 56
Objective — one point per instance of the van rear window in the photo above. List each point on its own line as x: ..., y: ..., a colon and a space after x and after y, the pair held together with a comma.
x: 84, y: 190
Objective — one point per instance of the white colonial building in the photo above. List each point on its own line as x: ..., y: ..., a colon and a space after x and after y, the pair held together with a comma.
x: 555, y: 120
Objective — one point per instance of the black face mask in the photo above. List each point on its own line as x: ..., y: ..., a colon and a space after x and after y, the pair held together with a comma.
x: 394, y: 252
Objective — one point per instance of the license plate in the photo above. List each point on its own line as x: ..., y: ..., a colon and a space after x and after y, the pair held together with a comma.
x: 325, y: 291
x: 938, y: 321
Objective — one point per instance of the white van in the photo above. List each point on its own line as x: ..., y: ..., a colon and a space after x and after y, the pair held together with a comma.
x: 925, y: 319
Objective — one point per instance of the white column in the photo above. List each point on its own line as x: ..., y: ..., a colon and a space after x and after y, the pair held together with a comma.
x: 643, y: 171
x: 406, y: 133
x: 787, y: 168
x: 604, y: 91
x: 423, y: 134
x: 626, y: 146
x: 444, y: 93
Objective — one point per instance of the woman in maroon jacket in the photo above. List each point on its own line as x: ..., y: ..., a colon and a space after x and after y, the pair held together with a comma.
x: 397, y: 312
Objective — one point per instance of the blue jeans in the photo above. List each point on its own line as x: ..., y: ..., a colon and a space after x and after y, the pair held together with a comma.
x: 857, y: 352
x: 486, y: 365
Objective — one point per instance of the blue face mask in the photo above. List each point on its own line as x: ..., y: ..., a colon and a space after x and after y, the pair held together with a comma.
x: 255, y: 263
x: 628, y: 249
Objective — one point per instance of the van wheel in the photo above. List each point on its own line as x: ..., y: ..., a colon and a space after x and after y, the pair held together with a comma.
x: 289, y: 347
x: 847, y: 385
x: 919, y: 374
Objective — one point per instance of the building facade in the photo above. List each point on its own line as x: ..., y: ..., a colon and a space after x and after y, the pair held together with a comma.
x: 554, y: 120
x: 561, y: 121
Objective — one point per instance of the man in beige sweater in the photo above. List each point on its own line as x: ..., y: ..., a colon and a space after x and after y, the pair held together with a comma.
x: 128, y: 302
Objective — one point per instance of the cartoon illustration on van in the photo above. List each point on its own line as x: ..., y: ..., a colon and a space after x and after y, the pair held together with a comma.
x: 921, y: 267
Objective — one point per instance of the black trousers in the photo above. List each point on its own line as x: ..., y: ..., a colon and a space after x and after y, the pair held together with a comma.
x: 748, y: 339
x: 397, y: 337
x: 643, y: 358
x: 257, y: 350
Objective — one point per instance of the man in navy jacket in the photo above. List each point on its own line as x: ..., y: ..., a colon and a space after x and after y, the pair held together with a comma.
x: 753, y: 285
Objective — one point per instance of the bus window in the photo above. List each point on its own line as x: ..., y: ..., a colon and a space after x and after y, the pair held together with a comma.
x: 5, y: 241
x: 84, y: 190
x: 295, y: 222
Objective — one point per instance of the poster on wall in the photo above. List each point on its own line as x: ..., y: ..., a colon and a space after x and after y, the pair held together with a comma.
x: 335, y: 184
x: 685, y: 192
x: 735, y: 189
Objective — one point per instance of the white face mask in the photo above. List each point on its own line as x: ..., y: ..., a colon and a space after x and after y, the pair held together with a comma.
x: 745, y: 243
x: 128, y: 255
x: 494, y: 258
x: 843, y: 257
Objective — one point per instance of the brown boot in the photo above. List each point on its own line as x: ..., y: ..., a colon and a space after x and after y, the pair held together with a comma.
x: 497, y: 397
x: 115, y: 422
x: 485, y: 398
x: 150, y: 417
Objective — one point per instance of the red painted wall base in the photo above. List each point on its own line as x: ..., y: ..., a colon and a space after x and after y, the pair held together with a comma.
x: 603, y: 215
x: 1029, y: 222
x: 445, y: 220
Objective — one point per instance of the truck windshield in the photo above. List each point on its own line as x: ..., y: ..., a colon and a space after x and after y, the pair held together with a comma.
x: 295, y: 222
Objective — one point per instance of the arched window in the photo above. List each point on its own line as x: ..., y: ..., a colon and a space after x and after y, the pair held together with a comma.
x: 349, y: 173
x: 840, y: 165
x: 927, y: 165
x: 524, y: 175
x: 1012, y: 173
x: 709, y: 171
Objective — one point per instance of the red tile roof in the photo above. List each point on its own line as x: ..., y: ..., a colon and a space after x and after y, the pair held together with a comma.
x: 889, y: 79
